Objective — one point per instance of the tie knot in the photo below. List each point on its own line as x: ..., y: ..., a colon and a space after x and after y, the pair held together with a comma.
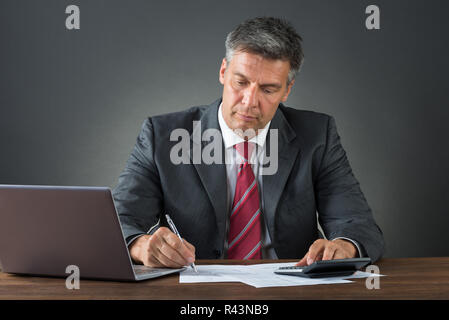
x: 245, y: 149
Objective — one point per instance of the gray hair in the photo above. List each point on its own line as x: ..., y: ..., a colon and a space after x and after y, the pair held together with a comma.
x: 269, y: 37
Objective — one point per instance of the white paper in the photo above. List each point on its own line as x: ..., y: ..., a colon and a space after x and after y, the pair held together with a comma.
x: 212, y: 273
x: 258, y: 275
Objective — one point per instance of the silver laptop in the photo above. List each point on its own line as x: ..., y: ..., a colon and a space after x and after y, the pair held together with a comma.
x: 45, y: 229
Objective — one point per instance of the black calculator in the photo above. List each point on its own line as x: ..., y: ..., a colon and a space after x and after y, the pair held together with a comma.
x: 326, y: 268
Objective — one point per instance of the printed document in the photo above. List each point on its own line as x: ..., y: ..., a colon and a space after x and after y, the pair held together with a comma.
x: 258, y: 275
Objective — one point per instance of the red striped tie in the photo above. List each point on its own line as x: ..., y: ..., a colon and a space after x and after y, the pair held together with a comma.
x: 245, y: 226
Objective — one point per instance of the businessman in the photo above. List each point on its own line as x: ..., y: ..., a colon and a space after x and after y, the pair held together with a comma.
x: 234, y: 209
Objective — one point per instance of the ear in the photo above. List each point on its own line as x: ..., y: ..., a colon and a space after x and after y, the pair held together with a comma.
x: 222, y: 71
x: 289, y: 89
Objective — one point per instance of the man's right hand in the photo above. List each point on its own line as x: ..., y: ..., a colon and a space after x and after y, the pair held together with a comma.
x: 163, y: 249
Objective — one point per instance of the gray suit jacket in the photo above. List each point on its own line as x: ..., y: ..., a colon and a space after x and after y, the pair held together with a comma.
x: 313, y: 175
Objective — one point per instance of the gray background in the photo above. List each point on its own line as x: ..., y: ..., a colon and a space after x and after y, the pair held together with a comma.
x: 72, y: 102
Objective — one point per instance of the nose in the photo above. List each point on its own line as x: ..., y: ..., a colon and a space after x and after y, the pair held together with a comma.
x: 250, y: 97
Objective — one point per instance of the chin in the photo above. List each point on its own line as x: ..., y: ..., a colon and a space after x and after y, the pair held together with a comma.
x: 245, y: 128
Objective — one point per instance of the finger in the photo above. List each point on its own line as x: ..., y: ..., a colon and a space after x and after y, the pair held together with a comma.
x: 167, y: 250
x: 154, y: 252
x: 167, y: 262
x: 151, y: 261
x: 148, y: 258
x: 340, y: 254
x: 329, y: 251
x: 164, y: 252
x: 165, y: 235
x: 173, y: 241
x: 315, y: 251
x: 303, y: 261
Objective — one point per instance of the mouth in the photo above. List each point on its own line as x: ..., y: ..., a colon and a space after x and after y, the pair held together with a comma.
x: 245, y: 118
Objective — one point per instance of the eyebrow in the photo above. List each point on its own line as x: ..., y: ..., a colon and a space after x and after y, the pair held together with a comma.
x: 275, y: 85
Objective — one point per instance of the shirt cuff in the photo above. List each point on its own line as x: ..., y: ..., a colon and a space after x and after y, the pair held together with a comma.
x: 150, y: 232
x: 359, y: 249
x: 132, y: 238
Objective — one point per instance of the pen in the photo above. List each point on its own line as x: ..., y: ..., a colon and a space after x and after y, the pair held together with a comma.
x: 173, y: 228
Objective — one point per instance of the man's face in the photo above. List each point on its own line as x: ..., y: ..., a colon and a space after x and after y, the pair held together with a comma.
x: 253, y: 87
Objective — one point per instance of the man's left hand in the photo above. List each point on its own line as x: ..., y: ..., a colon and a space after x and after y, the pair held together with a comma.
x: 323, y: 249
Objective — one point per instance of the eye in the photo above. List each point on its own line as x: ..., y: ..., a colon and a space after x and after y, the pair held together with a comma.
x: 241, y: 83
x: 267, y: 91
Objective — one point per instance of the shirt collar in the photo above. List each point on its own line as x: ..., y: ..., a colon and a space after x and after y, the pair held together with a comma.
x: 230, y: 138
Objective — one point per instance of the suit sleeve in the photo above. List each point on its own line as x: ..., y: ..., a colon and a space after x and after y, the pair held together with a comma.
x: 138, y: 195
x: 342, y: 208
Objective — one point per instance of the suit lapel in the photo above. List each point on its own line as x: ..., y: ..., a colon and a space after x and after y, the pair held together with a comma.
x: 288, y: 151
x: 213, y: 176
